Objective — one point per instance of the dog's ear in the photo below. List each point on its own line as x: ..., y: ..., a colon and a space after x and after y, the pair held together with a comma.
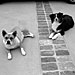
x: 61, y: 14
x: 52, y: 16
x: 14, y: 33
x: 4, y: 33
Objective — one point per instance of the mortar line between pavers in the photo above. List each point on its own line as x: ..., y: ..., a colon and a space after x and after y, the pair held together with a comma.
x: 48, y: 29
x: 39, y: 39
x: 46, y: 18
x: 49, y: 20
x: 50, y: 71
x: 66, y: 61
x: 53, y: 44
x: 57, y: 62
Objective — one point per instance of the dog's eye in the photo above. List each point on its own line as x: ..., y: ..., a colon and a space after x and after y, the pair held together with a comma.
x: 6, y: 38
x: 11, y: 38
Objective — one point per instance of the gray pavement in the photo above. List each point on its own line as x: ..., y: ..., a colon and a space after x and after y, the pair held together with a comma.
x: 24, y: 16
x: 55, y: 55
x: 70, y: 35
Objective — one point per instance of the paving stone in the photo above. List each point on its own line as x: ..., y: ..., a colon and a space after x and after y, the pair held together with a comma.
x: 49, y: 66
x: 47, y: 7
x: 51, y: 73
x: 67, y: 73
x: 60, y: 38
x: 46, y: 47
x: 47, y: 53
x: 43, y: 30
x: 45, y: 42
x: 48, y: 59
x: 42, y: 26
x: 60, y: 46
x: 58, y: 42
x: 62, y: 52
x: 40, y: 13
x: 46, y: 3
x: 64, y: 59
x: 38, y: 9
x: 42, y: 23
x: 48, y: 18
x: 41, y: 17
x: 46, y: 36
x: 48, y: 10
x: 67, y: 66
x: 43, y: 37
x: 44, y: 33
x: 38, y: 5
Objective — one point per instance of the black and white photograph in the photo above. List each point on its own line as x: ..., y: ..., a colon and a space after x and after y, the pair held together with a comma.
x: 37, y: 37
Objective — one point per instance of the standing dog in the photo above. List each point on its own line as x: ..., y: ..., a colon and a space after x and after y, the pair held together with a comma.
x: 60, y: 24
x: 14, y: 39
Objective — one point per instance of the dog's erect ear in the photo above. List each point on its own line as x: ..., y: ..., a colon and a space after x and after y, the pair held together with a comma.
x: 4, y: 33
x: 61, y: 14
x: 51, y: 15
x: 14, y: 33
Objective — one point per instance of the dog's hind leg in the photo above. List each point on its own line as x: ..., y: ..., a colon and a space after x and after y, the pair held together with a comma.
x: 26, y: 33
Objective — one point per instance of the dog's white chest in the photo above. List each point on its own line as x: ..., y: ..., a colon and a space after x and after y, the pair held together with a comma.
x: 55, y: 25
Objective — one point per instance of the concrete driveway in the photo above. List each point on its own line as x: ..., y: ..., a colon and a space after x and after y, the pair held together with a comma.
x: 24, y: 16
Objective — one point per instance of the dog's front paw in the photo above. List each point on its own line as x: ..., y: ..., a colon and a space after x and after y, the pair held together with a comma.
x: 9, y: 56
x: 51, y: 35
x: 23, y: 52
x: 55, y: 36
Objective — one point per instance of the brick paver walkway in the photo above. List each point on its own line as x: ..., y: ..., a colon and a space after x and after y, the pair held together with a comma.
x: 55, y: 57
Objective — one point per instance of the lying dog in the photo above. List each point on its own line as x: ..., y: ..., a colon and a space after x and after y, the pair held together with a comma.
x: 60, y: 24
x: 14, y: 39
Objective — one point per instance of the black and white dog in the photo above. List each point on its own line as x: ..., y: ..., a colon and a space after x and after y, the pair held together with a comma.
x: 60, y: 24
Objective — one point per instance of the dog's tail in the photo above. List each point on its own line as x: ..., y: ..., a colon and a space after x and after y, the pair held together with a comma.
x: 26, y: 33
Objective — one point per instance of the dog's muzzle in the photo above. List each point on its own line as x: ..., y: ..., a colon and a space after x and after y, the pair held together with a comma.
x: 8, y: 42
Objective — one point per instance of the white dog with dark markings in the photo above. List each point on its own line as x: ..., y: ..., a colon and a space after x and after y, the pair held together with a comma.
x: 14, y: 39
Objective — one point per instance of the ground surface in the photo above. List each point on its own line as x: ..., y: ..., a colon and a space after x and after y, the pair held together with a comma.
x: 24, y: 15
x: 70, y: 35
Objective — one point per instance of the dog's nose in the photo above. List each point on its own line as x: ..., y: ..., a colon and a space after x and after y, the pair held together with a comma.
x: 56, y: 19
x: 8, y: 42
